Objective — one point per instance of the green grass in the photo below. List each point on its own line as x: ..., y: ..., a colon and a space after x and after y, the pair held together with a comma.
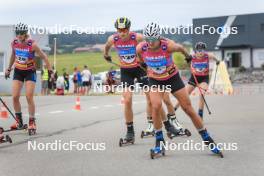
x: 95, y: 61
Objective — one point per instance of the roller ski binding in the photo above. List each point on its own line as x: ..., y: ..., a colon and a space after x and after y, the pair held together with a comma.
x: 158, y: 150
x: 129, y: 139
x: 209, y: 142
x: 4, y: 139
x: 180, y: 131
x: 32, y: 127
x: 149, y: 131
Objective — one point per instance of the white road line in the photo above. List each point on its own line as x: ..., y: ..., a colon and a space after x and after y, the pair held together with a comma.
x: 108, y: 106
x: 55, y: 112
x: 94, y: 107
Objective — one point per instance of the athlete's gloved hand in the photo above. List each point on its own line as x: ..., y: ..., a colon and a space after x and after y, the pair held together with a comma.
x: 217, y: 62
x: 143, y: 65
x: 108, y: 58
x: 7, y: 73
x: 188, y: 58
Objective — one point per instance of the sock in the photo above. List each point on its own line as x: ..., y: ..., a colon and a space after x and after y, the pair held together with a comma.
x: 171, y: 116
x: 130, y: 127
x: 200, y: 113
x: 159, y: 137
x: 19, y: 117
x: 150, y: 119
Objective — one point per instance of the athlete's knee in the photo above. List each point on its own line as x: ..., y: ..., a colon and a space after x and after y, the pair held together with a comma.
x: 29, y: 98
x: 187, y: 107
x: 156, y: 106
x: 16, y: 98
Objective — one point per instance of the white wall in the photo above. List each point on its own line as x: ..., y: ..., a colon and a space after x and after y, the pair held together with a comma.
x: 258, y: 57
x: 245, y: 56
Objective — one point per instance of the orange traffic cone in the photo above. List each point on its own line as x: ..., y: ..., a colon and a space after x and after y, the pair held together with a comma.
x: 78, y: 104
x: 3, y: 113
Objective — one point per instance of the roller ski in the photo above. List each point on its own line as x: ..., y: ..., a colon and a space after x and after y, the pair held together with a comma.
x: 149, y: 131
x: 128, y: 139
x: 32, y: 126
x: 180, y: 131
x: 209, y: 142
x: 158, y: 150
x: 4, y: 138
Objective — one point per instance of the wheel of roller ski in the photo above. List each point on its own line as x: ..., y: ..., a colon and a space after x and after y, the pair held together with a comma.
x: 187, y: 132
x: 169, y: 135
x: 120, y: 142
x: 152, y: 154
x: 221, y: 154
x: 8, y: 139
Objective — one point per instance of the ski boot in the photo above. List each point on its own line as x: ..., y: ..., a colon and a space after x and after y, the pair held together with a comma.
x: 209, y: 142
x: 32, y: 126
x: 128, y: 139
x: 174, y: 122
x: 4, y: 139
x: 149, y: 131
x: 158, y: 149
x: 18, y: 125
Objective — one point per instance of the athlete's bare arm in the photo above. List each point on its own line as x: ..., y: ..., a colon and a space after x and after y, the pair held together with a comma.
x: 42, y: 55
x: 140, y: 37
x: 12, y: 60
x: 108, y: 45
x: 175, y: 47
x: 139, y: 51
x: 212, y: 57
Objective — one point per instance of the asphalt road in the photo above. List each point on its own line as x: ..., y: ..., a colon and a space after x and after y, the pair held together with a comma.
x: 234, y: 119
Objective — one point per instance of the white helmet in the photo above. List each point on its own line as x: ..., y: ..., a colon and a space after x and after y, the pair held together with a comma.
x: 152, y: 31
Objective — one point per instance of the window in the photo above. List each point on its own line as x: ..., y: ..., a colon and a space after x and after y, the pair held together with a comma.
x: 262, y: 27
x: 2, y: 62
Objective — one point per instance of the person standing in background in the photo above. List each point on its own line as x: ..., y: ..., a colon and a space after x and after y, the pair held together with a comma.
x: 86, y: 80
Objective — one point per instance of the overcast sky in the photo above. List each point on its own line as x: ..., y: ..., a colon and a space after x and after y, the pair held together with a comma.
x: 102, y: 13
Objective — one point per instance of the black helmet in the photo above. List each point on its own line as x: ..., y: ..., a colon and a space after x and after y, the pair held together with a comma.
x: 122, y: 23
x: 21, y: 28
x: 200, y: 46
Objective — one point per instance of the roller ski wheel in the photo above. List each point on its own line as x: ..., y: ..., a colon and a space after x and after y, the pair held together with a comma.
x: 24, y: 127
x: 155, y: 152
x: 186, y: 132
x: 32, y: 127
x: 125, y: 142
x: 8, y: 139
x: 147, y: 134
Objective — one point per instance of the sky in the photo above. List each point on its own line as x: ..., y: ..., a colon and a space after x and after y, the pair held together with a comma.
x: 102, y: 13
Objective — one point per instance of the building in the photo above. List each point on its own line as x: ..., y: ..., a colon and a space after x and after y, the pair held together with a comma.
x: 7, y: 34
x: 245, y: 47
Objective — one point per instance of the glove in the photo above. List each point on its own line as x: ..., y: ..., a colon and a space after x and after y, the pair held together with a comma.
x: 108, y: 58
x: 217, y: 62
x: 50, y: 72
x: 143, y: 65
x: 7, y: 73
x: 188, y: 58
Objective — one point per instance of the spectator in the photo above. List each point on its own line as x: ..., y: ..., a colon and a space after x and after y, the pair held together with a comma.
x: 75, y: 80
x: 66, y: 80
x: 110, y: 80
x: 52, y: 80
x: 44, y: 80
x: 79, y: 82
x: 87, y: 80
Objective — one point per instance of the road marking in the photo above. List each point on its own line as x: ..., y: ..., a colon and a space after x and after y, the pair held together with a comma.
x: 94, y: 107
x: 108, y: 106
x: 55, y: 112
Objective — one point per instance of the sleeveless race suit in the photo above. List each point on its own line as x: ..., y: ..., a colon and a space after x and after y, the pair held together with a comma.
x: 130, y: 69
x: 161, y: 68
x: 200, y: 68
x: 25, y: 66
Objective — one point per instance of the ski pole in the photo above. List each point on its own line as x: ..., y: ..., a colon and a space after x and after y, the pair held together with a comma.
x: 196, y: 82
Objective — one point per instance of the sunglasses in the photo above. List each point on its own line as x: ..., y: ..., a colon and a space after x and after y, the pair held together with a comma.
x: 122, y: 30
x: 151, y: 39
x: 21, y: 32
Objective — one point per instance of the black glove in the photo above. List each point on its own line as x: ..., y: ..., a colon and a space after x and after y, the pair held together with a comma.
x: 108, y: 58
x: 50, y: 72
x: 7, y: 73
x: 217, y: 62
x: 143, y: 65
x: 188, y: 58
